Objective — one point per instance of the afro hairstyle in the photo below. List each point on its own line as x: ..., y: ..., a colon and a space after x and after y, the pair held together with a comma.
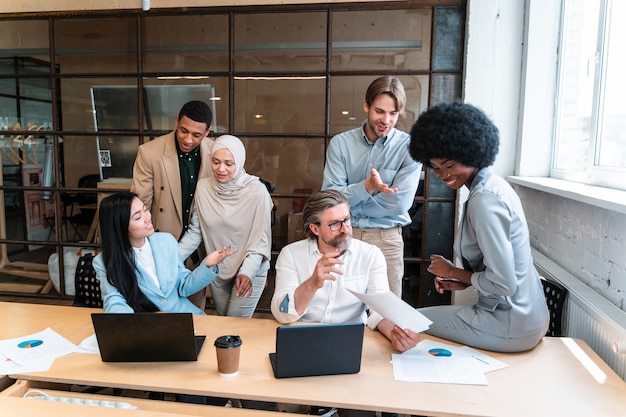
x: 456, y: 131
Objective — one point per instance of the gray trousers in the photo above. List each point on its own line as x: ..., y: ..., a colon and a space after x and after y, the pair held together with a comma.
x: 227, y: 303
x: 447, y: 325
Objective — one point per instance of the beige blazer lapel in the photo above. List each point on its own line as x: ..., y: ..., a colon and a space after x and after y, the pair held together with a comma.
x: 172, y: 171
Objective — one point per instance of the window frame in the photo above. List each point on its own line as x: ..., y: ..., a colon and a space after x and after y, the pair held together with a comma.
x: 592, y: 173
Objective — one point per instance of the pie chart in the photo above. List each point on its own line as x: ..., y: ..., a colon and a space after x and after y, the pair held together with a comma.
x: 440, y: 352
x: 28, y: 344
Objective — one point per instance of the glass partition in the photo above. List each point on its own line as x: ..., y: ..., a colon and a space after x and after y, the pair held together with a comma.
x: 183, y: 44
x: 280, y: 42
x: 280, y: 105
x: 96, y: 45
x: 389, y: 40
x: 77, y: 102
x: 27, y: 39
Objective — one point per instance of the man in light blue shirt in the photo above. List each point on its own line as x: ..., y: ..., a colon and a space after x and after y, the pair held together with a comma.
x: 372, y: 167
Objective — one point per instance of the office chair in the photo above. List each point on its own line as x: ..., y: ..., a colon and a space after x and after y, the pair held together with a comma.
x: 77, y: 207
x: 87, y: 285
x: 555, y: 298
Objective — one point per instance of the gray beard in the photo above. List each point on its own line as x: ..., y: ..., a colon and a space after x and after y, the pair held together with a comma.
x: 341, y: 245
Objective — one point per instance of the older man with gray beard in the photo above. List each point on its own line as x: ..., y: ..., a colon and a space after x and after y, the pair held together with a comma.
x: 313, y: 275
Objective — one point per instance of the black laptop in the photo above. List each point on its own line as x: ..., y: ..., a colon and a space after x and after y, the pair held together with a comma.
x: 317, y: 349
x: 146, y: 337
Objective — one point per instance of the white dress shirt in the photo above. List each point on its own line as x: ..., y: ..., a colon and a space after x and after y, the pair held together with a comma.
x: 364, y: 271
x: 145, y: 258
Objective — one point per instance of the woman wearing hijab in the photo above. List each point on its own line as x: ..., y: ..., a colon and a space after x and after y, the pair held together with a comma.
x: 232, y: 208
x: 139, y: 269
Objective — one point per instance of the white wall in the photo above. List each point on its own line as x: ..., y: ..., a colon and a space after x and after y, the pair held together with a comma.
x: 493, y: 69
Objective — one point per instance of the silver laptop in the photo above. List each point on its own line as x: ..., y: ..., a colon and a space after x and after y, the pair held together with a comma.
x: 146, y: 337
x: 318, y: 349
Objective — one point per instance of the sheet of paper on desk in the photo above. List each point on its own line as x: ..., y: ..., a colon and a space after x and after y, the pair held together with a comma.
x: 8, y: 367
x: 396, y: 310
x: 440, y: 369
x: 428, y: 348
x: 37, y: 348
x: 89, y: 345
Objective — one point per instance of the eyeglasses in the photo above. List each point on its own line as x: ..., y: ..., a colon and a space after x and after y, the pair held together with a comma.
x: 336, y: 226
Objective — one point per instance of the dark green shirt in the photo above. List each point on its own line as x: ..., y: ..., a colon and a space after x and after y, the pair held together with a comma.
x: 189, y: 165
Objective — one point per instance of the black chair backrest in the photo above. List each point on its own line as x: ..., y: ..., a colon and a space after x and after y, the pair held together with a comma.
x: 88, y: 181
x: 87, y: 285
x: 555, y: 297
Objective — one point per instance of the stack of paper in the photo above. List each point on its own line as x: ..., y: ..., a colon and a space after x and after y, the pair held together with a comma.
x: 433, y: 361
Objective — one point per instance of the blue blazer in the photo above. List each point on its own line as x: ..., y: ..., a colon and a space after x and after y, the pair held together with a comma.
x: 176, y: 281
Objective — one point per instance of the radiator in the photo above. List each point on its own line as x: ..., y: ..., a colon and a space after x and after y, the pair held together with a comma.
x: 589, y: 316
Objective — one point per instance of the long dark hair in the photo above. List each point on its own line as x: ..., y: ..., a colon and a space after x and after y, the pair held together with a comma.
x: 117, y: 252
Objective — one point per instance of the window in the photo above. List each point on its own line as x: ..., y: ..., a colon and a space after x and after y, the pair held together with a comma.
x: 590, y: 134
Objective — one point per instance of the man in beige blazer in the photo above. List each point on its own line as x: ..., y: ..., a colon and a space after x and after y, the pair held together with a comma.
x: 167, y: 169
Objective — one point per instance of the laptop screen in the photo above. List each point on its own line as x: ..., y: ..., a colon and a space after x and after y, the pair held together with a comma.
x: 319, y: 349
x: 146, y: 337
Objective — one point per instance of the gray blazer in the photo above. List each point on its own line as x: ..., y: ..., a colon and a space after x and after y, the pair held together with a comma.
x: 494, y: 241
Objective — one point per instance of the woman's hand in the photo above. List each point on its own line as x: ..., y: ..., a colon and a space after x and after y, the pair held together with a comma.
x: 243, y: 285
x: 218, y: 256
x: 448, y: 284
x: 447, y: 276
x: 441, y: 267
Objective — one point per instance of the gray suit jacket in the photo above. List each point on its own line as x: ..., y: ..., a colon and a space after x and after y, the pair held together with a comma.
x: 494, y: 240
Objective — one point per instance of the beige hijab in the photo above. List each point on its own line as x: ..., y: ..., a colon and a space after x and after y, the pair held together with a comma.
x: 235, y: 213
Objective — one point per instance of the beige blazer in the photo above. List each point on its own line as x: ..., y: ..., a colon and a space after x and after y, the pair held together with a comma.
x: 156, y: 180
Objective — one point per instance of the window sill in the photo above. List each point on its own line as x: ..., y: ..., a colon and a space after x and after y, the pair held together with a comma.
x: 607, y: 198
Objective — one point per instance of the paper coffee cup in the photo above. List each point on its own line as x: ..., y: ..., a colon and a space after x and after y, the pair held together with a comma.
x: 227, y: 349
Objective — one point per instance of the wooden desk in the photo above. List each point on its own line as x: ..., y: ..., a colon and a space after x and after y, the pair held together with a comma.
x: 21, y: 319
x: 12, y: 404
x: 549, y: 380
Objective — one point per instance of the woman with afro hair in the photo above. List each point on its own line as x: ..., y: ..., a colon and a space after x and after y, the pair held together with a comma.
x: 460, y: 143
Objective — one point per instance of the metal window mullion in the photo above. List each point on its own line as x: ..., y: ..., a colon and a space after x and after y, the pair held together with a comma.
x: 597, y: 114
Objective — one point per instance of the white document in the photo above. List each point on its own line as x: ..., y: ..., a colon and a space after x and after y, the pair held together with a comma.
x: 89, y: 345
x: 487, y: 363
x: 432, y: 361
x: 427, y: 347
x: 8, y: 367
x: 396, y: 310
x: 37, y: 350
x: 441, y: 369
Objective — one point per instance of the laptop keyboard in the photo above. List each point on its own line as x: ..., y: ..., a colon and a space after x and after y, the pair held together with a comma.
x: 40, y: 395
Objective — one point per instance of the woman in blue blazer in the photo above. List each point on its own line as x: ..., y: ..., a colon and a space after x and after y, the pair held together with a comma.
x: 460, y: 143
x: 140, y: 269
